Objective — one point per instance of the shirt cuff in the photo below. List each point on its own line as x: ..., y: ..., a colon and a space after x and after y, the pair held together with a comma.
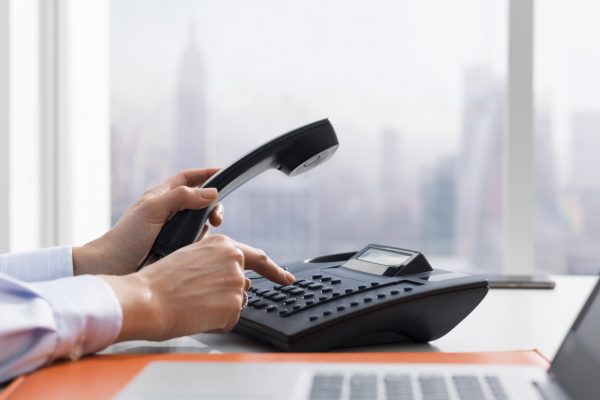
x: 40, y: 265
x: 87, y: 312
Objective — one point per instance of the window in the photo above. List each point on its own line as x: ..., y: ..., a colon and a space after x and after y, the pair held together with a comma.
x: 567, y: 136
x: 415, y: 90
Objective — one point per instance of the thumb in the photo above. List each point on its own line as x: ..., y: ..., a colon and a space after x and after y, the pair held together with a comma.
x: 182, y: 198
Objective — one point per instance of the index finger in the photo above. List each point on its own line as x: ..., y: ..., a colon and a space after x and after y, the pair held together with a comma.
x: 259, y: 262
x: 190, y: 177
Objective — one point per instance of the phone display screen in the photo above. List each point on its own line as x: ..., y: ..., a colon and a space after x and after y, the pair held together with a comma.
x: 378, y: 261
x: 384, y: 257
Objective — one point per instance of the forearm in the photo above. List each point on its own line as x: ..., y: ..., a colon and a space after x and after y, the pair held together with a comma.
x: 136, y: 300
x: 64, y: 318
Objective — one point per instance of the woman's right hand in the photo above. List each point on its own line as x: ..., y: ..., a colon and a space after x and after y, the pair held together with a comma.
x: 198, y: 288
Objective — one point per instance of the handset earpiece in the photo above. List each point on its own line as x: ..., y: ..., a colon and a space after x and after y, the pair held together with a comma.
x: 292, y: 153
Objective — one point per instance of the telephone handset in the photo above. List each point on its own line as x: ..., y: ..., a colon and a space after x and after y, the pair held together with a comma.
x: 292, y: 153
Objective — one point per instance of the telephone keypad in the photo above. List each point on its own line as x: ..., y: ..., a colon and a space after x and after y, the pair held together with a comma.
x: 290, y: 299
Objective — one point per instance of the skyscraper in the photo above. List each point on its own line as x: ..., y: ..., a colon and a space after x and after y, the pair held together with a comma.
x: 550, y: 228
x: 479, y: 207
x: 585, y: 252
x: 438, y: 209
x: 190, y: 139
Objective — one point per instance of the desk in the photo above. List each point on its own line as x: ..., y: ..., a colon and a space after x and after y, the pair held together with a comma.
x: 506, y: 320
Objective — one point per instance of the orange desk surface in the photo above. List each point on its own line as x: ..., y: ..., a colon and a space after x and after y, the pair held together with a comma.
x: 102, y: 376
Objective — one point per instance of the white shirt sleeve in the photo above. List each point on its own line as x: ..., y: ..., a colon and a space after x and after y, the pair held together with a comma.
x: 39, y: 265
x: 59, y: 318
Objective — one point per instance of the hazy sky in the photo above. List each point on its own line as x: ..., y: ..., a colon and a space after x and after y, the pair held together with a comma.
x: 273, y: 64
x: 276, y: 64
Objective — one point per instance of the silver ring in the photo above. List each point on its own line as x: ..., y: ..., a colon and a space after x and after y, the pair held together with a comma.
x: 245, y: 301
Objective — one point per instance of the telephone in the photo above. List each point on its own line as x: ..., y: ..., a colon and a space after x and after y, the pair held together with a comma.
x: 292, y: 153
x: 381, y: 294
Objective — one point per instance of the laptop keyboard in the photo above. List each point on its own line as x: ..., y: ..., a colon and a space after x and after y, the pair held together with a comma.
x: 405, y: 387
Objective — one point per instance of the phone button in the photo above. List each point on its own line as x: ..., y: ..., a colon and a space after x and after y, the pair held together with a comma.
x: 395, y: 291
x: 289, y: 301
x: 407, y: 289
x: 272, y: 307
x: 309, y: 295
x: 278, y: 297
x: 341, y: 308
x: 327, y: 289
x: 326, y: 279
x: 315, y: 286
x: 260, y: 304
x: 368, y: 299
x: 335, y: 281
x: 381, y: 295
x: 354, y: 303
x: 313, y: 318
x: 253, y: 301
x: 317, y: 276
x: 349, y: 290
x: 327, y: 312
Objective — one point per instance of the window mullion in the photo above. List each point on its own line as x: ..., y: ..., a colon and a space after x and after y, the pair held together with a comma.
x: 519, y: 249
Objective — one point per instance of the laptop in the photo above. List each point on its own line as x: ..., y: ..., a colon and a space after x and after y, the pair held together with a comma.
x: 574, y: 374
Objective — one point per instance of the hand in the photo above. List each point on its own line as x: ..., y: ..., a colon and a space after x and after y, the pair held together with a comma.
x: 120, y: 250
x: 198, y: 288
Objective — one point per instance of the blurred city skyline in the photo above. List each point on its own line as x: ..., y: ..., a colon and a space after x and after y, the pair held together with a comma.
x: 424, y: 174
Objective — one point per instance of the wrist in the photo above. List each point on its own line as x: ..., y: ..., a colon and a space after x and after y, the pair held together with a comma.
x: 84, y: 260
x: 135, y: 297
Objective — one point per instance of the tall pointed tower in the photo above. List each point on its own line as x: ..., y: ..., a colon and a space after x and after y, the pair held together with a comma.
x: 190, y: 147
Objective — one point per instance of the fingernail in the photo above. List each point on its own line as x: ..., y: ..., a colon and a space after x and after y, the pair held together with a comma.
x: 291, y: 278
x: 208, y: 193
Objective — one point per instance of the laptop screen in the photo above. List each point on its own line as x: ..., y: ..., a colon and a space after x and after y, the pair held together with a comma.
x: 577, y: 362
